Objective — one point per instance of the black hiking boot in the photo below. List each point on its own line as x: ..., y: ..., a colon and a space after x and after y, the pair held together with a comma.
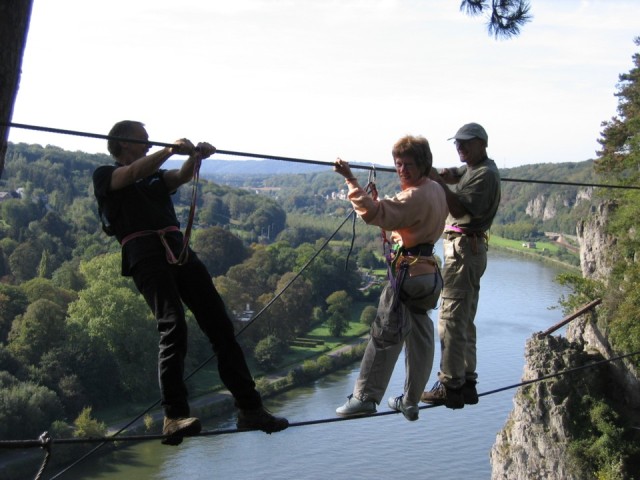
x: 443, y: 395
x: 470, y: 393
x: 260, y: 419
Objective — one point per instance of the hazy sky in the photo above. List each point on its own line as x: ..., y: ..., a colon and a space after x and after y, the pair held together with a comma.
x: 317, y: 79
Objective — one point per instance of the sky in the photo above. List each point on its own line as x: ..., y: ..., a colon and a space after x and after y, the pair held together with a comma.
x: 320, y: 79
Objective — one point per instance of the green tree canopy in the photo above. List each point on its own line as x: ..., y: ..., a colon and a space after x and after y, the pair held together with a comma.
x: 25, y: 260
x: 117, y: 317
x: 368, y: 315
x: 338, y: 310
x: 39, y: 329
x: 290, y: 314
x: 42, y: 288
x: 219, y: 249
x: 13, y: 302
x: 269, y: 351
x: 619, y: 162
x: 27, y: 408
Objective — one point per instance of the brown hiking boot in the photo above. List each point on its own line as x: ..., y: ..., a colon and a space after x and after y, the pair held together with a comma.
x: 469, y: 392
x: 177, y: 428
x: 442, y: 395
x: 260, y: 419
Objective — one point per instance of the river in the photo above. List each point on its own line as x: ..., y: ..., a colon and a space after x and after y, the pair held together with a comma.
x: 515, y: 300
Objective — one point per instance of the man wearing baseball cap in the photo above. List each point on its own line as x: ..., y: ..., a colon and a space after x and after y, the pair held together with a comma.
x: 473, y: 195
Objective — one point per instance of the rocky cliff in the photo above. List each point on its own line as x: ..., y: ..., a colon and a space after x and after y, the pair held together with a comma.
x: 595, y: 243
x: 546, y: 206
x: 535, y: 442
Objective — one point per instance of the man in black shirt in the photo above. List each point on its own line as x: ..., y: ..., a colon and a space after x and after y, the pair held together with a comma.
x: 134, y: 200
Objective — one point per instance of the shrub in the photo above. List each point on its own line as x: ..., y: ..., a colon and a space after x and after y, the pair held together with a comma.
x: 368, y: 314
x: 86, y: 426
x: 268, y: 352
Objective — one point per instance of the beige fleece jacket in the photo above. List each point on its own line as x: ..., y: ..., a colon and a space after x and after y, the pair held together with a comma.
x: 415, y: 215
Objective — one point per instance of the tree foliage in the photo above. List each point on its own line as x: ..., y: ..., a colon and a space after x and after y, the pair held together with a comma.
x: 619, y: 158
x: 290, y: 315
x: 219, y: 249
x: 13, y: 302
x: 26, y: 408
x: 338, y: 311
x: 602, y: 444
x: 368, y: 315
x: 269, y: 351
x: 39, y: 329
x: 87, y: 426
x: 619, y: 162
x: 505, y: 17
x: 117, y: 317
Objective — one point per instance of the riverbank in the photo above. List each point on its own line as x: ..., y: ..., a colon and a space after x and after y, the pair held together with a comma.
x: 552, y: 253
x: 537, y: 256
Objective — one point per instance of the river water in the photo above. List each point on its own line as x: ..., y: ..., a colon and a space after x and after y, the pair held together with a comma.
x: 515, y: 300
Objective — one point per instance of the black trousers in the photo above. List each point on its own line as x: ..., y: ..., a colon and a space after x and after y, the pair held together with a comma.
x: 165, y: 287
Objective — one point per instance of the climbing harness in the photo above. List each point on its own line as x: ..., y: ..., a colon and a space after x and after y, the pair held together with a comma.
x: 398, y: 258
x: 454, y: 231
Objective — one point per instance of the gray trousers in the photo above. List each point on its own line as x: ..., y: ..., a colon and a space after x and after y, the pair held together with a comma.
x: 410, y: 326
x: 465, y: 260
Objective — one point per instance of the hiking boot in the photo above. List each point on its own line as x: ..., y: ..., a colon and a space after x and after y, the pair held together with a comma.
x: 469, y: 392
x: 409, y: 412
x: 176, y: 428
x: 442, y: 395
x: 260, y: 419
x: 353, y: 406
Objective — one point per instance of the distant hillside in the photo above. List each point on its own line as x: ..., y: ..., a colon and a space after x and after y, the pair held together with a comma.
x: 215, y: 167
x: 310, y: 188
x: 552, y: 207
x: 534, y: 206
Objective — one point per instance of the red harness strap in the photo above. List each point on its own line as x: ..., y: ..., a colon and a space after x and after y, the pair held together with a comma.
x: 171, y: 258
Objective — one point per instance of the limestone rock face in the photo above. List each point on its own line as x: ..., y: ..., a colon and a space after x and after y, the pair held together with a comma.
x: 595, y: 243
x: 535, y: 207
x: 546, y: 207
x: 533, y: 443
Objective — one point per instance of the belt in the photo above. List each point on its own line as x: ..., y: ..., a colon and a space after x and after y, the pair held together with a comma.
x: 422, y: 250
x: 451, y: 234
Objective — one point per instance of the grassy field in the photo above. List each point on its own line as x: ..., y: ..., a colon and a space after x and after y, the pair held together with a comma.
x: 552, y: 247
x: 545, y: 251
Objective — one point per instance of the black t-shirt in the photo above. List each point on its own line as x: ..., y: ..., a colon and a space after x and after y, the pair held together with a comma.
x: 144, y: 205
